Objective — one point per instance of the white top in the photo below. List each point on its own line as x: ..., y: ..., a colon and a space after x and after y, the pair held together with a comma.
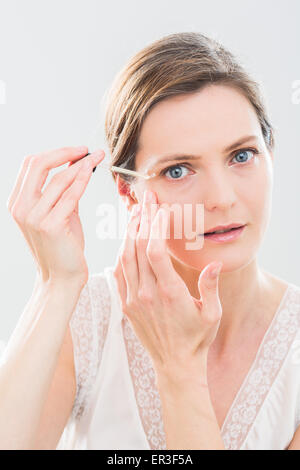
x: 117, y: 404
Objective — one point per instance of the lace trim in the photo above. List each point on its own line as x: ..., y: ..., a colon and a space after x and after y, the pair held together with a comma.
x: 248, y: 401
x: 89, y: 325
x: 265, y: 368
x: 147, y: 395
x: 296, y: 361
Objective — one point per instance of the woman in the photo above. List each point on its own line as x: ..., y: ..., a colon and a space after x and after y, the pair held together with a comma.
x: 162, y: 350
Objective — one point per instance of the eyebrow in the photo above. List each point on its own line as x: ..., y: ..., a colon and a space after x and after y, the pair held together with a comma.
x: 179, y: 156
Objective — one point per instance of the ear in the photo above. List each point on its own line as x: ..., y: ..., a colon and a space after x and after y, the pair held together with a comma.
x: 126, y: 192
x: 272, y: 156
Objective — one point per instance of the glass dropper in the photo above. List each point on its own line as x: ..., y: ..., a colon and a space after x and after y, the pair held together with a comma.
x: 125, y: 171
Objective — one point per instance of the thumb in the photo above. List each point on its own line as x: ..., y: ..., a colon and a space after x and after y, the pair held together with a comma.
x: 208, y: 285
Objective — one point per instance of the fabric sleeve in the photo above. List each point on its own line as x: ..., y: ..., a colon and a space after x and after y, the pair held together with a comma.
x: 89, y: 325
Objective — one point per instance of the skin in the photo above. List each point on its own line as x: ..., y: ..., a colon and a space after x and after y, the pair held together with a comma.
x: 161, y: 294
x: 204, y: 123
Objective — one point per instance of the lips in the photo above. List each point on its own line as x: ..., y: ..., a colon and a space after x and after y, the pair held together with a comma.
x: 228, y: 236
x: 224, y: 228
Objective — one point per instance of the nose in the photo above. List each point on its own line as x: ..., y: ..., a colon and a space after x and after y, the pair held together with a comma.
x: 219, y: 192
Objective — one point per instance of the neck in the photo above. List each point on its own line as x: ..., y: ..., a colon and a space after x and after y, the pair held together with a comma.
x: 244, y: 295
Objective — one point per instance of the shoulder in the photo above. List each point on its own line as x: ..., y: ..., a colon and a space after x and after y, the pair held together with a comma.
x: 289, y: 311
x: 286, y: 295
x: 283, y: 334
x: 292, y: 303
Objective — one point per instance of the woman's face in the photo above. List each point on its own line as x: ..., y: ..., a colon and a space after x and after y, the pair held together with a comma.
x: 232, y: 186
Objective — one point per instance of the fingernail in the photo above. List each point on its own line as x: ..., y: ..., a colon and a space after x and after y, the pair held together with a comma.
x: 215, y: 271
x: 86, y: 156
x: 97, y: 153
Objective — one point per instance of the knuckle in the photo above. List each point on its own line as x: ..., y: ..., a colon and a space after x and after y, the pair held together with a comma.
x: 132, y: 302
x: 46, y: 228
x: 125, y: 257
x: 168, y: 292
x: 154, y: 253
x: 30, y: 221
x: 27, y: 159
x: 35, y: 161
x: 212, y: 316
x: 17, y: 214
x: 144, y: 295
x: 125, y: 309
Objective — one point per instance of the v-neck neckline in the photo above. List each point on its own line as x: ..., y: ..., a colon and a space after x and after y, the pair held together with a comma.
x: 231, y: 426
x: 255, y: 359
x: 233, y: 409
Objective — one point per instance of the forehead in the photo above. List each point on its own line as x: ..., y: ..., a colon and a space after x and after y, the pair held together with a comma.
x: 197, y: 123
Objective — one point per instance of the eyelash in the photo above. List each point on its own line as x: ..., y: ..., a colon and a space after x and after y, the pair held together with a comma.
x: 187, y: 165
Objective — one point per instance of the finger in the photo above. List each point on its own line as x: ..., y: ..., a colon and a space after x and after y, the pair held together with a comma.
x: 157, y: 252
x: 208, y: 289
x: 147, y: 278
x: 69, y: 200
x: 121, y: 283
x: 38, y: 170
x: 72, y: 163
x: 128, y: 254
x: 18, y: 183
x: 58, y: 185
x: 13, y: 196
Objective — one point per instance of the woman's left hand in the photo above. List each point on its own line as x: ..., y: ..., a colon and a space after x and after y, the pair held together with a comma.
x: 176, y: 328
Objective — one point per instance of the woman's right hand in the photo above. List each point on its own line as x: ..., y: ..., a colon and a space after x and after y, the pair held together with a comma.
x: 49, y: 220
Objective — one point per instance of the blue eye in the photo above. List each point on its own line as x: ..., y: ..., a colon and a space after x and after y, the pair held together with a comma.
x: 244, y: 152
x: 175, y: 171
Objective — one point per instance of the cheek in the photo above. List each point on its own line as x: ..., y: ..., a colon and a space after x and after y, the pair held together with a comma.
x: 253, y: 205
x: 186, y: 221
x: 259, y: 201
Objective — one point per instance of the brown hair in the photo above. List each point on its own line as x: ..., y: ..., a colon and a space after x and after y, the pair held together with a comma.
x: 176, y: 64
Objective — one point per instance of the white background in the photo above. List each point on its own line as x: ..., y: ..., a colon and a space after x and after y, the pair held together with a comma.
x: 57, y: 59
